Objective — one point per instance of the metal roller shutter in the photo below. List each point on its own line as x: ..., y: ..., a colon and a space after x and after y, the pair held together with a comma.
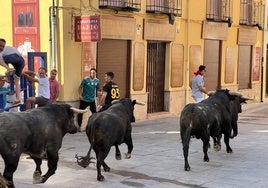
x: 113, y: 55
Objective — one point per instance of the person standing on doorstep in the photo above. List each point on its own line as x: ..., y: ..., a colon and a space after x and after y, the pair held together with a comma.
x: 3, y: 90
x: 54, y: 86
x: 110, y: 92
x: 43, y: 88
x: 197, y: 84
x: 87, y: 94
x: 11, y: 96
x: 10, y: 55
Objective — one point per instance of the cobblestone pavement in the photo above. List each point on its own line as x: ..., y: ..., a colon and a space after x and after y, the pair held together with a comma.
x: 157, y: 159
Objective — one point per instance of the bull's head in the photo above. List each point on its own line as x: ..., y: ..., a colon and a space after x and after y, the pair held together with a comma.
x: 129, y: 104
x: 235, y: 109
x: 238, y: 101
x: 133, y: 102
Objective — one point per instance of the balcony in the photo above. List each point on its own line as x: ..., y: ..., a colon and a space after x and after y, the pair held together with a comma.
x: 124, y: 5
x: 251, y: 13
x: 219, y: 11
x: 171, y: 7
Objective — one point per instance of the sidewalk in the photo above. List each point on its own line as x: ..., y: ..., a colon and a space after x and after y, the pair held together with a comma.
x: 259, y: 107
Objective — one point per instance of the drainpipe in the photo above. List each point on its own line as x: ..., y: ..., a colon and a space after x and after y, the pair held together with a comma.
x: 187, y: 52
x: 52, y: 18
x: 264, y: 54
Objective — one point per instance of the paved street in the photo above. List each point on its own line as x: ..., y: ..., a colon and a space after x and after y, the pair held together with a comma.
x: 157, y: 159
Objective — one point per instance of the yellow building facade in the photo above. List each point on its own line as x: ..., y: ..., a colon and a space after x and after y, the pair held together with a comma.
x: 154, y: 51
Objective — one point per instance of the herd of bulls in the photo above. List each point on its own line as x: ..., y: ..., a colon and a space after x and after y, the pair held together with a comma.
x: 38, y: 132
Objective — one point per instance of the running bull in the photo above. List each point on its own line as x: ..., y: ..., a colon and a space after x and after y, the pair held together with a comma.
x: 213, y: 117
x: 35, y: 132
x: 108, y: 128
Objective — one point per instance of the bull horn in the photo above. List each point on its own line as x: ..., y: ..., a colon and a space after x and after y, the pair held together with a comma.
x: 114, y: 101
x: 247, y: 98
x: 140, y: 103
x: 79, y: 111
x: 235, y: 93
x: 209, y: 93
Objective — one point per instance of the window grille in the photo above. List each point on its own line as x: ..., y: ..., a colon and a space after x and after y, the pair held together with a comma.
x: 131, y: 5
x: 251, y: 13
x: 219, y: 10
x: 173, y: 7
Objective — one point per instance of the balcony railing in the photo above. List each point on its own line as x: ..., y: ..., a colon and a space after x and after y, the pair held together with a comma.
x: 220, y: 11
x: 165, y: 7
x: 127, y: 5
x: 251, y: 13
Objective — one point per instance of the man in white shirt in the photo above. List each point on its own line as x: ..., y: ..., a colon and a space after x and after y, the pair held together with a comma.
x: 197, y: 84
x: 10, y: 55
x: 43, y: 88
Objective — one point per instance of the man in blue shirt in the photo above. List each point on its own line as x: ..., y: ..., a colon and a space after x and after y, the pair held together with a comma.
x: 87, y: 94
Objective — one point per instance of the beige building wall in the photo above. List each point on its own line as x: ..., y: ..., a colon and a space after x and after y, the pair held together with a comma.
x: 184, y: 48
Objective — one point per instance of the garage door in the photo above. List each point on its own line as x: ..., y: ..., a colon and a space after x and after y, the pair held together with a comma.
x: 113, y: 55
x: 212, y: 63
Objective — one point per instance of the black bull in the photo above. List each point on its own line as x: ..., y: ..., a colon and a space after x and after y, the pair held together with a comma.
x: 35, y: 132
x: 213, y: 117
x: 109, y: 128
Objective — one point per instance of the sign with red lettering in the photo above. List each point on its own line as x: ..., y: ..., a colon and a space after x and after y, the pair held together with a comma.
x: 87, y: 28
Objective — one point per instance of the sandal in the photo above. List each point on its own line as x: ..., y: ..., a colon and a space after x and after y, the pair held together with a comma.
x: 15, y: 103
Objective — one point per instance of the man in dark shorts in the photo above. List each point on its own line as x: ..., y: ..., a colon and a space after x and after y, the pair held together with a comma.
x: 10, y: 55
x: 87, y: 94
x: 43, y: 89
x: 110, y: 92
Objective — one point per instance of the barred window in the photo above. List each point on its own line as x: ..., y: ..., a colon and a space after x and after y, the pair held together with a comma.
x: 219, y: 10
x: 251, y: 13
x: 132, y: 5
x: 165, y: 6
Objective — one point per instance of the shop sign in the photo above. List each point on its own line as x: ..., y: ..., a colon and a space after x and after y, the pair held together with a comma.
x: 87, y: 28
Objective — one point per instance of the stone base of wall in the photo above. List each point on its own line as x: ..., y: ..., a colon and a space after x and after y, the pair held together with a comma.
x: 140, y: 111
x: 174, y: 101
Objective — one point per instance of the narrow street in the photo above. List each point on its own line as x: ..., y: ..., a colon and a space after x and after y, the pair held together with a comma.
x: 157, y: 159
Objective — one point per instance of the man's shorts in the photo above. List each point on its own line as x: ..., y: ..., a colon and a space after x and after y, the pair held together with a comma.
x: 17, y: 61
x: 41, y: 101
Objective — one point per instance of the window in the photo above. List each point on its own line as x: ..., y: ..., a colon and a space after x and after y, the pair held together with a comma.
x: 132, y: 5
x: 251, y: 13
x: 164, y: 6
x: 220, y: 10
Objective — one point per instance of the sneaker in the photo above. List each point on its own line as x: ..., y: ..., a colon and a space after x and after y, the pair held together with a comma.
x: 15, y: 103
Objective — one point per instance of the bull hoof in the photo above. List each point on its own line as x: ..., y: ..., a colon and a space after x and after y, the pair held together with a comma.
x: 233, y: 135
x: 3, y: 182
x: 127, y: 155
x: 206, y: 159
x: 118, y: 157
x: 37, y: 178
x: 187, y: 168
x: 100, y: 178
x: 229, y: 151
x: 217, y: 147
x: 106, y: 169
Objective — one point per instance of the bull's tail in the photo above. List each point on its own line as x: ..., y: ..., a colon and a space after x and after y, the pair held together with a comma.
x: 86, y: 160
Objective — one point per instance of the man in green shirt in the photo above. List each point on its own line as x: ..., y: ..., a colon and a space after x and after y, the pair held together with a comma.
x: 87, y: 94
